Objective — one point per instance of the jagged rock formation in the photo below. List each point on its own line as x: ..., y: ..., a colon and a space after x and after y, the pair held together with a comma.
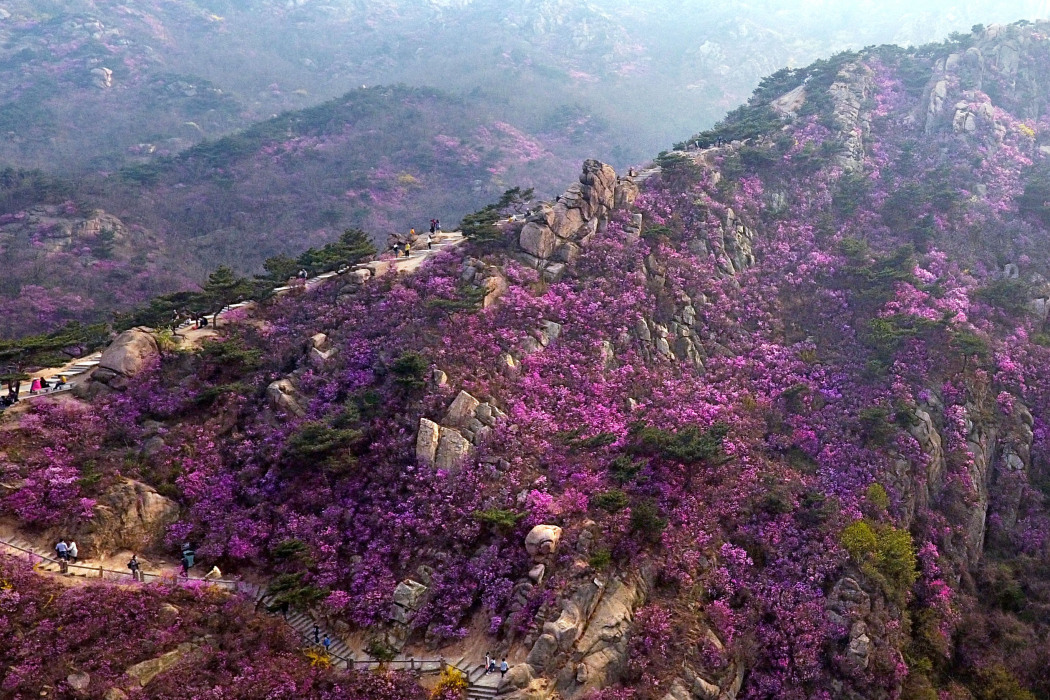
x: 554, y: 234
x: 467, y: 423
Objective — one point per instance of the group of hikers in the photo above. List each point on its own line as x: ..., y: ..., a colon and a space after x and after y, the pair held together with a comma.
x: 36, y: 386
x: 68, y: 552
x: 401, y: 245
x: 491, y: 667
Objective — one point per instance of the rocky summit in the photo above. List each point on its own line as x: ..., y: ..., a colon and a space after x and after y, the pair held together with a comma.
x: 767, y: 417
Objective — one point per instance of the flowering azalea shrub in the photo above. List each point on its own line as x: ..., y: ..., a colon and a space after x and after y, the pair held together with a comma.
x: 866, y: 411
x: 103, y: 630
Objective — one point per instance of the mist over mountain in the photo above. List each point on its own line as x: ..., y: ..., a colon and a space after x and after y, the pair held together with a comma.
x: 84, y: 81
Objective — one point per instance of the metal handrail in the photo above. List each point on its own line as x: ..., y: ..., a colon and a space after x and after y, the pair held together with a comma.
x: 224, y: 583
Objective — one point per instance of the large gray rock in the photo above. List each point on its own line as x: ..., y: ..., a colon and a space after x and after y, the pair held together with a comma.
x: 603, y: 644
x: 127, y: 356
x: 102, y: 78
x: 79, y: 681
x: 408, y: 596
x: 542, y: 541
x: 283, y: 397
x: 537, y: 240
x: 143, y: 673
x: 461, y: 410
x: 452, y: 449
x: 427, y: 441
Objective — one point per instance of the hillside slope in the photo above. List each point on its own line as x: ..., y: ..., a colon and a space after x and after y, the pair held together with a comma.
x: 774, y: 426
x: 381, y: 159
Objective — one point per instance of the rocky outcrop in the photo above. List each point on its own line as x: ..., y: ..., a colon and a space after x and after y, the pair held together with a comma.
x: 601, y: 651
x: 144, y: 672
x: 487, y: 278
x: 320, y: 349
x: 427, y: 438
x: 585, y: 647
x: 555, y: 234
x: 102, y: 78
x: 128, y: 516
x: 283, y: 396
x: 127, y: 356
x: 452, y: 449
x: 408, y: 598
x: 467, y: 422
x: 850, y: 92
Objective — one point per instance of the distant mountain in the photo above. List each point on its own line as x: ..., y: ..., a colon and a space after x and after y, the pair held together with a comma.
x: 85, y: 83
x: 381, y: 159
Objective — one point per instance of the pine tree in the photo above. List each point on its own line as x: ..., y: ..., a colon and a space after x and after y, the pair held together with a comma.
x: 224, y: 288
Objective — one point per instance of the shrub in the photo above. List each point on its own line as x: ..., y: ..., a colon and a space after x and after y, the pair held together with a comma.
x: 409, y: 370
x: 858, y: 538
x: 624, y: 469
x: 380, y: 650
x: 498, y: 518
x: 452, y: 683
x: 878, y: 498
x: 612, y: 501
x: 600, y: 559
x: 647, y: 520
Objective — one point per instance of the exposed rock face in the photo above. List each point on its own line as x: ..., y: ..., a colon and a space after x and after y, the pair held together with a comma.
x: 131, y: 515
x: 427, y: 441
x: 467, y: 422
x: 408, y: 597
x: 321, y: 349
x: 79, y: 681
x: 129, y: 354
x: 602, y: 648
x: 102, y: 78
x: 554, y: 235
x: 486, y: 277
x: 283, y: 396
x: 144, y: 672
x: 461, y: 410
x: 585, y: 648
x: 452, y: 449
x: 855, y: 84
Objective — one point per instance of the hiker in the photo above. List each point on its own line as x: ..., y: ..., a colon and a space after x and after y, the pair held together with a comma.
x: 188, y: 553
x: 426, y: 239
x: 185, y: 565
x: 63, y: 550
x: 317, y: 634
x: 490, y: 663
x: 437, y: 225
x: 134, y: 566
x: 72, y: 552
x: 34, y: 386
x: 433, y: 226
x: 503, y: 668
x: 408, y: 250
x: 302, y: 274
x: 326, y: 643
x: 204, y: 321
